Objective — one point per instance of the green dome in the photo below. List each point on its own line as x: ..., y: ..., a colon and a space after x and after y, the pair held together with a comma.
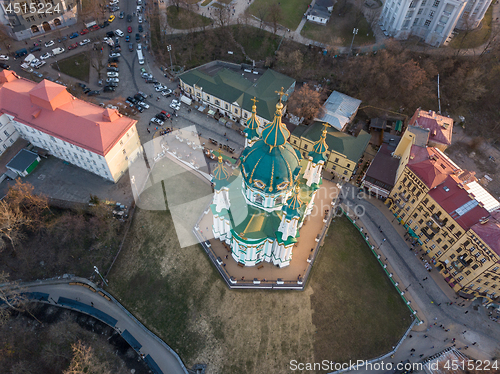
x: 271, y: 164
x: 270, y: 169
x: 253, y: 123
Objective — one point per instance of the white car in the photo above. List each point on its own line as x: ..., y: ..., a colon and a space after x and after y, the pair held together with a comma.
x: 113, y: 2
x: 139, y: 46
x: 176, y: 105
x: 143, y: 104
x: 119, y: 32
x: 156, y: 121
x: 166, y: 91
x: 84, y: 42
x: 50, y: 43
x: 160, y: 88
x: 26, y: 68
x: 34, y: 61
x: 109, y: 41
x: 39, y: 64
x: 111, y: 55
x: 115, y: 80
x: 4, y: 58
x: 113, y: 74
x: 139, y: 19
x: 46, y: 56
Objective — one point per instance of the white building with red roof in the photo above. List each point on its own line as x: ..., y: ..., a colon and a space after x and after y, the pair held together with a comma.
x: 98, y: 140
x: 440, y: 128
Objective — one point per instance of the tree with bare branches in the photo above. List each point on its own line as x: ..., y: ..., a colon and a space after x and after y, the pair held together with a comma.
x: 305, y: 102
x: 14, y: 297
x: 85, y: 361
x: 275, y: 16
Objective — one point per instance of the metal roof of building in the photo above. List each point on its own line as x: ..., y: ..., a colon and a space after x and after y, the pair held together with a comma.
x: 483, y: 196
x: 338, y: 109
x: 22, y: 160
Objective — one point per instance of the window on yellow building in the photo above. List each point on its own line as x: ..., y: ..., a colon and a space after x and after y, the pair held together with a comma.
x: 421, y: 221
x: 439, y: 240
x: 337, y: 160
x: 452, y: 256
x: 305, y: 146
x: 475, y: 266
x: 467, y: 272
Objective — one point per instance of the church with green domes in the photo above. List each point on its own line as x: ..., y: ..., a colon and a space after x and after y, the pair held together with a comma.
x: 260, y: 208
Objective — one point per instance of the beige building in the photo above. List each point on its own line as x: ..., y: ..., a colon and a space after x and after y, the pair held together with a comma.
x: 98, y: 140
x: 344, y: 150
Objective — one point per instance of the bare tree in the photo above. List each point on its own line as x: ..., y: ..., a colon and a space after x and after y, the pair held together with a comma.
x: 222, y: 15
x: 275, y: 16
x: 177, y: 3
x: 14, y: 297
x: 305, y: 102
x: 262, y: 11
x: 85, y: 361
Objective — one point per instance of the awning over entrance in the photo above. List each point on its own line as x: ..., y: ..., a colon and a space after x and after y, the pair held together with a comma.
x: 465, y: 295
x: 412, y: 233
x: 399, y: 125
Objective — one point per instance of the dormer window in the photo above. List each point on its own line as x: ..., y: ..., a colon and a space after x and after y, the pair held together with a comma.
x: 259, y: 184
x: 282, y: 186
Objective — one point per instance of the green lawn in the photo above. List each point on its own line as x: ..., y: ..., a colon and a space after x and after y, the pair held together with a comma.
x: 339, y: 30
x: 477, y: 37
x: 77, y: 66
x: 206, y: 2
x: 292, y: 10
x: 258, y: 44
x: 349, y: 308
x: 184, y: 19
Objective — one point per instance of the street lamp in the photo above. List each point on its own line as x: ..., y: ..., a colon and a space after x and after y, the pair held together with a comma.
x: 354, y: 33
x: 97, y: 271
x: 169, y: 49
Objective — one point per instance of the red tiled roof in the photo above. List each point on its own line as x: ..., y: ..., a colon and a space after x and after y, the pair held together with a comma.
x: 430, y: 165
x: 450, y: 196
x: 440, y: 127
x: 489, y: 232
x: 48, y: 107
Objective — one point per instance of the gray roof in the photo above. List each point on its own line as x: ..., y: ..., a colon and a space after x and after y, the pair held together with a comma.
x: 324, y: 3
x: 22, y: 160
x: 320, y: 11
x: 338, y: 109
x: 421, y: 135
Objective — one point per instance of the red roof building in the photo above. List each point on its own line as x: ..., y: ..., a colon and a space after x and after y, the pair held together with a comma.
x: 431, y: 165
x: 489, y: 231
x: 440, y: 127
x: 46, y: 114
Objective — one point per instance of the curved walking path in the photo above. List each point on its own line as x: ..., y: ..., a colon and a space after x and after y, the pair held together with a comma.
x: 78, y: 297
x: 431, y: 295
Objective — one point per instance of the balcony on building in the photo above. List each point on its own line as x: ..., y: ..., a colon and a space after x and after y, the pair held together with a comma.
x: 432, y: 226
x: 405, y: 198
x: 399, y: 204
x: 438, y: 220
x: 427, y: 234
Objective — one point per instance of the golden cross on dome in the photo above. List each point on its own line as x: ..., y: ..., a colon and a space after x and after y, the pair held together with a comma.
x: 254, y: 100
x: 281, y: 93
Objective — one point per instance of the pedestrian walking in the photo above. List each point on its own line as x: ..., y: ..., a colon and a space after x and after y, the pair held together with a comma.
x: 91, y: 303
x: 425, y: 336
x: 464, y: 331
x: 412, y: 350
x: 474, y: 343
x: 422, y: 355
x: 149, y: 132
x: 466, y: 311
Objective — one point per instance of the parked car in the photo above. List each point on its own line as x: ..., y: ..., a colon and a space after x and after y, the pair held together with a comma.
x: 114, y: 8
x: 131, y: 99
x: 4, y: 58
x: 127, y: 38
x: 109, y: 89
x: 73, y: 46
x: 84, y: 31
x: 114, y: 55
x: 122, y: 15
x: 113, y: 64
x: 26, y: 67
x: 137, y: 37
x: 57, y: 51
x: 35, y: 49
x: 96, y: 27
x: 175, y: 105
x: 119, y: 32
x: 38, y: 64
x: 139, y: 19
x: 74, y: 35
x: 140, y: 28
x: 46, y: 56
x: 129, y: 18
x: 86, y: 90
x: 131, y: 47
x: 38, y: 74
x: 48, y: 44
x: 110, y: 34
x: 143, y: 104
x: 144, y: 96
x: 167, y: 92
x: 112, y: 68
x: 138, y: 97
x: 160, y: 88
x: 94, y: 93
x: 81, y: 85
x: 116, y: 49
x: 139, y: 108
x: 84, y: 42
x: 151, y: 80
x: 156, y: 121
x: 112, y: 84
x: 129, y: 29
x: 111, y: 18
x: 115, y: 80
x: 112, y: 74
x: 139, y: 46
x: 146, y: 75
